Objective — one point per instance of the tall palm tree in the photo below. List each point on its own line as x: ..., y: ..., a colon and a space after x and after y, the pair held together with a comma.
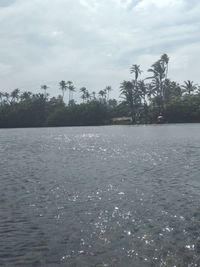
x: 83, y: 91
x: 94, y: 95
x: 7, y: 98
x: 159, y: 72
x: 108, y: 89
x: 165, y: 61
x: 63, y: 88
x: 136, y: 93
x: 15, y: 95
x: 70, y: 88
x: 87, y: 95
x: 136, y: 70
x: 102, y: 93
x: 132, y: 97
x: 25, y: 96
x: 142, y: 90
x: 44, y: 87
x: 151, y: 91
x: 126, y: 89
x: 189, y: 87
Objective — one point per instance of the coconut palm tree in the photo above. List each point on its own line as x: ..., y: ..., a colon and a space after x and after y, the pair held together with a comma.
x: 151, y: 91
x: 165, y: 61
x: 83, y: 91
x: 172, y: 90
x: 189, y: 87
x: 7, y: 98
x: 94, y: 95
x: 25, y: 96
x: 44, y: 87
x: 126, y: 89
x: 136, y: 70
x: 132, y: 96
x: 14, y: 95
x: 70, y: 88
x: 63, y: 88
x: 159, y: 72
x: 87, y: 96
x: 142, y: 90
x: 158, y: 75
x: 102, y: 93
x: 108, y: 89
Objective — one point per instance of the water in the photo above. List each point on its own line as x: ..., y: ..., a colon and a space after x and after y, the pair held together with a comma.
x: 100, y: 196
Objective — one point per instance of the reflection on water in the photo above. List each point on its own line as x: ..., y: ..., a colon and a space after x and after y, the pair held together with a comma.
x: 100, y: 196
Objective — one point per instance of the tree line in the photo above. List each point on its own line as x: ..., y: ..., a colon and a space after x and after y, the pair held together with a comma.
x: 144, y: 100
x: 158, y: 95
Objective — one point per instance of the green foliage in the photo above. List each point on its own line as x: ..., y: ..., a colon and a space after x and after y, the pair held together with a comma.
x: 92, y: 113
x: 142, y: 99
x: 37, y: 111
x: 185, y: 109
x: 160, y: 96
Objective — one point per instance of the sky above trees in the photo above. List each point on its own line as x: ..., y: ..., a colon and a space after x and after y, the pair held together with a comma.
x: 94, y: 42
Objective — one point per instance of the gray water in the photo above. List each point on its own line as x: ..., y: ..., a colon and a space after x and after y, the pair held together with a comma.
x: 100, y: 196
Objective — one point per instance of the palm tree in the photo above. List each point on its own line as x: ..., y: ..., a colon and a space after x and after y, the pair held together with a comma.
x: 132, y: 97
x: 83, y: 91
x: 25, y: 96
x: 126, y: 89
x: 15, y: 95
x: 63, y: 88
x: 142, y: 90
x: 71, y: 89
x: 87, y: 95
x: 155, y: 86
x: 44, y: 87
x: 172, y: 90
x: 94, y: 95
x: 102, y: 93
x: 136, y: 70
x: 159, y: 72
x: 7, y: 98
x: 189, y: 87
x: 165, y: 61
x: 108, y: 89
x: 150, y: 91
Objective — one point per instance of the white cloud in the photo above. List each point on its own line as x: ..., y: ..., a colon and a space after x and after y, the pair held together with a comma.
x: 94, y: 42
x: 160, y: 3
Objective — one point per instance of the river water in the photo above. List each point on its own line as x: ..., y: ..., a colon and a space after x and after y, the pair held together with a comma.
x: 100, y: 196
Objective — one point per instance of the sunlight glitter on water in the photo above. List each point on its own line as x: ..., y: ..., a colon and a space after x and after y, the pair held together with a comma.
x: 106, y: 197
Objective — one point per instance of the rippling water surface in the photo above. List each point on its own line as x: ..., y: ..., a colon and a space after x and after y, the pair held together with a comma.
x: 100, y: 196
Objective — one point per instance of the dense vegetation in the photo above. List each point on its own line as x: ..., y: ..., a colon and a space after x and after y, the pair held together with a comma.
x: 144, y: 100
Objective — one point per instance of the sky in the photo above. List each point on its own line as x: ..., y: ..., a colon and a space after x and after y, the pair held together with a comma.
x: 94, y: 42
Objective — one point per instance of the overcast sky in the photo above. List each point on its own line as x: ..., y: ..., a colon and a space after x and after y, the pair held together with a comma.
x: 94, y: 42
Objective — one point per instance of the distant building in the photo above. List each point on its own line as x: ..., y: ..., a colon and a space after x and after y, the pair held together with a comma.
x: 122, y: 120
x: 160, y: 119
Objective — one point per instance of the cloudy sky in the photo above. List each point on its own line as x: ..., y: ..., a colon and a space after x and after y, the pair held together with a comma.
x: 94, y: 42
